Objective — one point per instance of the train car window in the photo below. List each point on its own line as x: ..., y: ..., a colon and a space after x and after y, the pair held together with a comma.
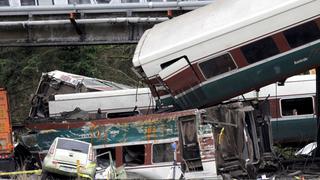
x: 302, y: 34
x: 133, y: 155
x: 45, y: 2
x: 28, y: 2
x: 129, y: 1
x: 4, y: 2
x: 217, y: 65
x: 162, y: 153
x: 122, y: 114
x: 79, y: 2
x: 166, y: 64
x: 296, y: 106
x: 103, y: 159
x: 260, y: 50
x: 103, y: 1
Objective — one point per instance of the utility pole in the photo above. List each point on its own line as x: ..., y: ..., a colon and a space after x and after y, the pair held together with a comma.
x: 318, y: 110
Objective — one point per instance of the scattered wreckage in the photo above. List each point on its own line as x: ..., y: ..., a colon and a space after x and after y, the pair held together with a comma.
x: 142, y: 143
x: 134, y: 140
x: 192, y: 68
x: 196, y: 68
x: 58, y: 82
x: 243, y: 140
x: 70, y: 96
x: 233, y: 140
x: 237, y: 47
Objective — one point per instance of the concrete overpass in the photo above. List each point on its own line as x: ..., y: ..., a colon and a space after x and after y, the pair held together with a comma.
x: 79, y: 24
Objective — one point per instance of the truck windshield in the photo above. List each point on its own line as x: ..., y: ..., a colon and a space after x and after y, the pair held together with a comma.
x: 73, y: 145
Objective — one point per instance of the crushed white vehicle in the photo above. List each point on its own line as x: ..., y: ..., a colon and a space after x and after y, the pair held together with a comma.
x: 69, y: 157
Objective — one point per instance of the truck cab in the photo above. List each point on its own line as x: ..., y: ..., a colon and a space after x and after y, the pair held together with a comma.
x: 7, y: 162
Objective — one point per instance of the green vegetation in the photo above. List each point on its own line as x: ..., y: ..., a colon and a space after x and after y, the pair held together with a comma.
x: 21, y: 68
x: 286, y: 152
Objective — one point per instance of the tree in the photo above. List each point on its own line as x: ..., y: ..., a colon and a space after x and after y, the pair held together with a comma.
x: 21, y: 68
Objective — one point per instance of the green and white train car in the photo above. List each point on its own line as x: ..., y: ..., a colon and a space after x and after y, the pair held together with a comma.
x: 228, y: 48
x: 292, y: 108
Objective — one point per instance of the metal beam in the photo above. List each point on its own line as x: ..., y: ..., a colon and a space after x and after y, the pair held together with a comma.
x: 85, y: 21
x: 46, y: 30
x: 61, y: 32
x: 94, y: 24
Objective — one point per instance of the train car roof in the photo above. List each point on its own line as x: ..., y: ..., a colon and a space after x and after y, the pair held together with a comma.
x: 216, y: 19
x: 88, y: 82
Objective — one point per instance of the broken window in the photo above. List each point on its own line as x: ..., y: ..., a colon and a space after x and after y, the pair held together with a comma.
x: 4, y: 2
x: 189, y: 145
x: 217, y: 65
x: 296, y: 106
x: 133, y: 155
x: 103, y: 157
x: 162, y: 153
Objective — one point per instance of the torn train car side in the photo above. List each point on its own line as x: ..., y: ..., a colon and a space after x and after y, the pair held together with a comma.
x: 58, y: 82
x: 243, y: 140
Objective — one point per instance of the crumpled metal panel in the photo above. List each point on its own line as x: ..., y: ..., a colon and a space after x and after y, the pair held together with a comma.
x: 110, y: 132
x: 58, y: 82
x: 243, y: 140
x: 106, y: 134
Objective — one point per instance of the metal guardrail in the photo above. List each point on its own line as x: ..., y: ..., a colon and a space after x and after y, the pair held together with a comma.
x: 101, y: 8
x: 84, y: 21
x: 84, y: 24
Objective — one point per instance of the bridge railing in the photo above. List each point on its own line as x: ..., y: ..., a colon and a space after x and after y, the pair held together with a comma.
x: 94, y: 7
x: 113, y: 22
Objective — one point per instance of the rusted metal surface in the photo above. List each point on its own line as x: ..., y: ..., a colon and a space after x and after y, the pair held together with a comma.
x: 207, y: 148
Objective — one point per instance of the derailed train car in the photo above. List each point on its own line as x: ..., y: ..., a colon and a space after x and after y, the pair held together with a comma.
x: 62, y: 95
x: 292, y: 108
x: 142, y: 143
x: 228, y: 48
x: 173, y: 145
